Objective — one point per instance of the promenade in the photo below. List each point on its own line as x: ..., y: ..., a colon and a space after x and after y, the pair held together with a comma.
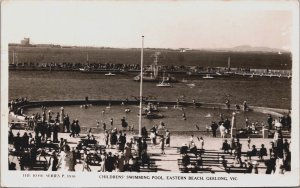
x: 165, y: 162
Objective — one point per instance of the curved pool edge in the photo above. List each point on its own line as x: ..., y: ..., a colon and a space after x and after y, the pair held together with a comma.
x: 16, y: 112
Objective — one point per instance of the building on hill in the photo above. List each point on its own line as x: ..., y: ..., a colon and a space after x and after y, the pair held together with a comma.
x: 25, y: 42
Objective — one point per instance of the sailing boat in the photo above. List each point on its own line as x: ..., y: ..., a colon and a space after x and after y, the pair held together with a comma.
x: 207, y: 76
x: 87, y: 67
x: 163, y: 83
x: 153, y: 77
x: 13, y: 64
x: 110, y: 74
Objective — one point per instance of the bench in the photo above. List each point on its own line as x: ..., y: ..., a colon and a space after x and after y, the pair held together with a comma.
x: 233, y: 169
x: 50, y: 146
x: 192, y: 167
x: 247, y: 153
x: 147, y: 167
x: 87, y: 142
x: 199, y: 151
x: 40, y: 165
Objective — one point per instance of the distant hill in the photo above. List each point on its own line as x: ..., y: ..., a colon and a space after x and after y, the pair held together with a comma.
x: 240, y: 56
x: 246, y: 48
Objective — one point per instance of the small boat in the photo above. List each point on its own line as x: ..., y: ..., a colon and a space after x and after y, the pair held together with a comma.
x: 163, y: 83
x: 184, y: 80
x: 151, y: 108
x: 154, y: 116
x: 208, y: 115
x: 110, y: 74
x: 207, y: 77
x: 191, y: 85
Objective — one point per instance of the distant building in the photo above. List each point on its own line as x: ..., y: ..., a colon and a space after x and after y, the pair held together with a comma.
x: 183, y: 49
x: 25, y: 42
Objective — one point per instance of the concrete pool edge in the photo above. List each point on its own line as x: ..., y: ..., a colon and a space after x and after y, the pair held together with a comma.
x: 265, y: 110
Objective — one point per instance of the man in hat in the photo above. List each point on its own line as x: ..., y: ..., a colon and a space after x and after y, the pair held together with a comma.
x: 53, y: 162
x: 286, y: 146
x: 262, y: 151
x: 214, y: 128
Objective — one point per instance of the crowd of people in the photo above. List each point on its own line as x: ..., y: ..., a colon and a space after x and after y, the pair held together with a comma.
x: 41, y: 136
x: 122, y: 154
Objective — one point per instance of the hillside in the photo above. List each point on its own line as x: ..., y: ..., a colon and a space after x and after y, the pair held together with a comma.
x: 204, y: 58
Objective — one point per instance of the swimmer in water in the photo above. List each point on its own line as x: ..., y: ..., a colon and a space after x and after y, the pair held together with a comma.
x: 183, y: 116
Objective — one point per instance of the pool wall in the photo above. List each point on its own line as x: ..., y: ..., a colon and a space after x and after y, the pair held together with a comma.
x: 18, y: 107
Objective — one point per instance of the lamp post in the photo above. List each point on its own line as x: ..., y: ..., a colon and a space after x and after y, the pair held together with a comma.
x: 141, y: 89
x: 233, y: 125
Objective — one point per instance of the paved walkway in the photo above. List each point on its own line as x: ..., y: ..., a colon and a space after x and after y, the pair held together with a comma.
x: 168, y: 161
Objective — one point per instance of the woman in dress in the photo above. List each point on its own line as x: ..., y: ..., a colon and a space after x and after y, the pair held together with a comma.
x: 167, y: 138
x: 62, y: 162
x: 127, y: 153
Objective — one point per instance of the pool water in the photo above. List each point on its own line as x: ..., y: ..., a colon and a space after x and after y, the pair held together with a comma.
x: 172, y: 116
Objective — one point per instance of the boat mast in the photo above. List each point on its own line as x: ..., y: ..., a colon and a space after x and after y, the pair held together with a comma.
x: 228, y: 66
x: 87, y: 58
x: 141, y: 89
x: 14, y: 56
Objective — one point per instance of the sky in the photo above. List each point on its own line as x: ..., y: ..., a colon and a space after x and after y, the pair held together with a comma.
x: 165, y: 24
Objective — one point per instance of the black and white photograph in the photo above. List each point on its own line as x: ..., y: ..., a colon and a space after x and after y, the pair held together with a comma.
x: 149, y: 93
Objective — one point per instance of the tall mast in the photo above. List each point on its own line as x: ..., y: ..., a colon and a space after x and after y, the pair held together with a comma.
x: 155, y: 65
x: 141, y: 89
x: 228, y: 66
x: 14, y: 56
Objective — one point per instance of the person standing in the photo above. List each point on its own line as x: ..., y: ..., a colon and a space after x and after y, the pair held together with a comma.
x: 73, y: 128
x: 227, y: 124
x: 67, y: 123
x: 124, y: 123
x: 238, y: 152
x: 214, y: 128
x: 191, y: 142
x: 162, y: 145
x: 63, y: 161
x: 270, y: 121
x: 183, y: 116
x: 247, y: 122
x: 55, y: 133
x: 127, y: 153
x: 222, y: 131
x: 106, y: 138
x: 53, y: 162
x: 168, y: 138
x: 111, y: 122
x: 48, y: 132
x: 144, y: 132
x: 201, y: 143
x: 77, y: 128
x: 104, y: 126
x: 153, y: 135
x: 122, y: 141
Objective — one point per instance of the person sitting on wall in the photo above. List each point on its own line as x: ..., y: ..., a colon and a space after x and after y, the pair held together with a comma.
x: 262, y: 151
x: 185, y: 162
x: 225, y: 146
x: 184, y: 149
x: 253, y: 152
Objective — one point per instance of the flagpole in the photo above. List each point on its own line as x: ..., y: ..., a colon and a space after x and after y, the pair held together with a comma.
x: 141, y: 89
